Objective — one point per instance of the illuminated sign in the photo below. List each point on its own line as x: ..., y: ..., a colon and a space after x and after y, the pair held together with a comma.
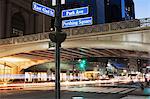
x: 77, y: 22
x: 43, y: 9
x: 75, y: 12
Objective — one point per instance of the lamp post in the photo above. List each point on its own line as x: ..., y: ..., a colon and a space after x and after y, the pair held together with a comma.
x: 57, y: 37
x: 4, y: 74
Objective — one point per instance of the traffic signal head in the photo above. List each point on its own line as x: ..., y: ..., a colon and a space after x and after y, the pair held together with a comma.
x: 82, y: 64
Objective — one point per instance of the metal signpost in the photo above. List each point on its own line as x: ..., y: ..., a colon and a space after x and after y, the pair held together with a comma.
x: 75, y: 12
x: 58, y: 36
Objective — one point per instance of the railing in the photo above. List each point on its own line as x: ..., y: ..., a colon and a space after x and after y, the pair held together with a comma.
x: 145, y: 22
x: 109, y: 27
x: 80, y: 31
x: 103, y: 27
x: 24, y: 39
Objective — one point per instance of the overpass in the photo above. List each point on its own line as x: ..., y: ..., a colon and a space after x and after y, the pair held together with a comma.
x: 127, y: 39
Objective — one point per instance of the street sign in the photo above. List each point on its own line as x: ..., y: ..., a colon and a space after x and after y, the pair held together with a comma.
x: 77, y: 22
x: 43, y: 9
x: 75, y: 12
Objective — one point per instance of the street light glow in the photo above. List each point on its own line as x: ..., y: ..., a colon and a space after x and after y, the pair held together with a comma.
x: 13, y: 59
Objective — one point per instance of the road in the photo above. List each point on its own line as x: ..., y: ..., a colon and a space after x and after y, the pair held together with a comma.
x: 67, y: 93
x: 88, y: 91
x: 45, y: 94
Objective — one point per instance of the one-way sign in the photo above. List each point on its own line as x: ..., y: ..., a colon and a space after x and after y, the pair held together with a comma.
x: 75, y: 12
x: 77, y: 22
x: 43, y: 9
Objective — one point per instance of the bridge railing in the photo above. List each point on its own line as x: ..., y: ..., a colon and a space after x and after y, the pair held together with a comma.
x: 103, y: 27
x: 25, y: 39
x: 145, y: 22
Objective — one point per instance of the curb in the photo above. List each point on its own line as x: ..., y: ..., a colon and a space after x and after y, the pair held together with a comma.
x: 11, y: 88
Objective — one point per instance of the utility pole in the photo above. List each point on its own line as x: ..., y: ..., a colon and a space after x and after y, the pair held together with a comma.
x: 57, y: 37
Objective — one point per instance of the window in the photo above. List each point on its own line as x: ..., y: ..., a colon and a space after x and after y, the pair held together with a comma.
x: 18, y: 25
x: 115, y: 13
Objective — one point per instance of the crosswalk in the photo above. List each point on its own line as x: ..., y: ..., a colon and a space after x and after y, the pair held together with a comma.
x: 101, y: 89
x: 136, y: 97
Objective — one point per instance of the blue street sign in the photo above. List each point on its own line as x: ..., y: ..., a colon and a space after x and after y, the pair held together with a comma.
x: 77, y: 22
x: 43, y: 9
x: 75, y: 12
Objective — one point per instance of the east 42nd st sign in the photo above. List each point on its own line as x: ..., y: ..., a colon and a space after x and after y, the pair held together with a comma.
x: 43, y: 9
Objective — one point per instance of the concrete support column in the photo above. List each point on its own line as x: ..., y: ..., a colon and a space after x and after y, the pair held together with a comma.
x: 31, y: 23
x: 133, y: 66
x: 8, y: 22
x: 2, y: 18
x: 39, y: 26
x: 47, y: 24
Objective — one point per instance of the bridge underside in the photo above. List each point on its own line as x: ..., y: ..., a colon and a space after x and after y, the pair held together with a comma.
x: 72, y: 53
x: 38, y: 53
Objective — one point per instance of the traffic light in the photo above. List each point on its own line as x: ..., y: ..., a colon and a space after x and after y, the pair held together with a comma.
x: 82, y: 64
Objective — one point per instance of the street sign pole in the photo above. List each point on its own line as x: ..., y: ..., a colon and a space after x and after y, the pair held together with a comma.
x: 57, y: 50
x: 57, y: 37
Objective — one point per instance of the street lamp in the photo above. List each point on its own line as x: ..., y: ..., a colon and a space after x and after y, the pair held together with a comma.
x: 57, y: 37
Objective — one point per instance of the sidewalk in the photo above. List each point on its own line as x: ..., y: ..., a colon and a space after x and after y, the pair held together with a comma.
x: 136, y: 97
x: 140, y: 92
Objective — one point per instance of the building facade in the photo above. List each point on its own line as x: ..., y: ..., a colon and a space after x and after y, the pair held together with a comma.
x: 92, y: 4
x: 105, y: 11
x: 119, y: 10
x: 17, y: 17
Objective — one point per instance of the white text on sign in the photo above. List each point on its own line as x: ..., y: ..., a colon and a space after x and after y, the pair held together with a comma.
x: 75, y: 12
x: 43, y: 9
x: 77, y: 22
